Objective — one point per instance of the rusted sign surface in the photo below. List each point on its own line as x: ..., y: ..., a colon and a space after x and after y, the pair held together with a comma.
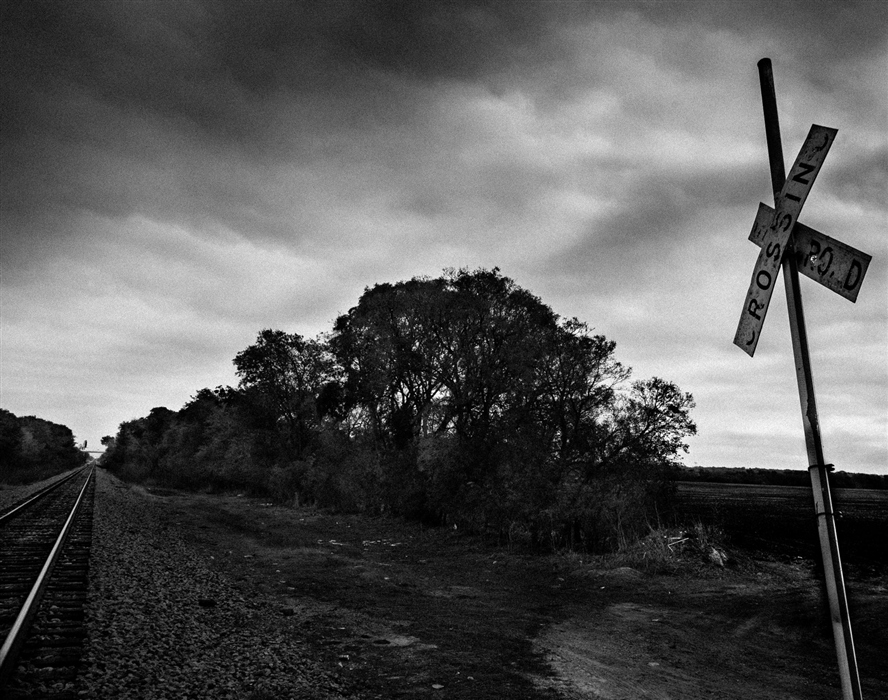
x: 789, y: 206
x: 835, y: 265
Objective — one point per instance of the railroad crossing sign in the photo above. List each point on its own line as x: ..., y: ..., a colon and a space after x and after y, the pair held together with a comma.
x: 797, y: 248
x: 832, y: 263
x: 774, y: 239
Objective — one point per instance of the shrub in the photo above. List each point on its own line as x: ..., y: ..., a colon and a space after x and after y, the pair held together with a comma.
x: 669, y: 550
x: 284, y: 484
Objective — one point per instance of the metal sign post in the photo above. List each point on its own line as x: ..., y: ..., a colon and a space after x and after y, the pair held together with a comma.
x: 788, y: 244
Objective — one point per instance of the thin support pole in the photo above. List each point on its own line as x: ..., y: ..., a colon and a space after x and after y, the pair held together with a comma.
x: 818, y: 470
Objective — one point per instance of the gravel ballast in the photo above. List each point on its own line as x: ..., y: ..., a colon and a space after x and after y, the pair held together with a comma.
x: 162, y: 624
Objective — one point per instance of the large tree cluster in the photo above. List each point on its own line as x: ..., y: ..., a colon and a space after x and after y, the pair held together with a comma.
x: 461, y: 399
x: 32, y: 448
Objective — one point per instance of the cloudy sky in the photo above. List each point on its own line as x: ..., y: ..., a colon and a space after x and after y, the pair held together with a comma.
x: 177, y: 176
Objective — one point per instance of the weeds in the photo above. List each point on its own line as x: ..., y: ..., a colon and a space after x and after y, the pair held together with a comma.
x: 672, y: 550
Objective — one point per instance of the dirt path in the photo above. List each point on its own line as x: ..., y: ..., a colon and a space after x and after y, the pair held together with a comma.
x: 407, y: 612
x: 674, y: 638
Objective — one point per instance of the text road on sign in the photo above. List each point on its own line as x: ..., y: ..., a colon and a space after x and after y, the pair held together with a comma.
x: 836, y: 265
x: 789, y: 205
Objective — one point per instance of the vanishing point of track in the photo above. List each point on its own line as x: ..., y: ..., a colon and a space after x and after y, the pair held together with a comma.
x: 44, y: 562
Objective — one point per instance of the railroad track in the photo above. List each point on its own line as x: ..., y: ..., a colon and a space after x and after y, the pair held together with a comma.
x: 44, y: 563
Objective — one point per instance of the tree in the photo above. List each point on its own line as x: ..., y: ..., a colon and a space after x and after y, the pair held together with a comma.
x: 10, y: 441
x: 453, y: 354
x: 462, y: 398
x: 284, y: 375
x: 390, y: 346
x: 507, y: 410
x: 36, y: 446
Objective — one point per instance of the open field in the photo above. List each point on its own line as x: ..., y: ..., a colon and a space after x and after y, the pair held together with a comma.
x: 780, y: 519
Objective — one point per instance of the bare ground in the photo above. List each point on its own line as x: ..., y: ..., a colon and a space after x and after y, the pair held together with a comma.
x: 402, y: 611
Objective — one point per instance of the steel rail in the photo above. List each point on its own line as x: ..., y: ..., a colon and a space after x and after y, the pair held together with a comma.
x: 8, y: 515
x: 16, y: 636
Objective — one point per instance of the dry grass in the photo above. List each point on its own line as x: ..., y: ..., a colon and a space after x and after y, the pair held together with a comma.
x: 693, y: 549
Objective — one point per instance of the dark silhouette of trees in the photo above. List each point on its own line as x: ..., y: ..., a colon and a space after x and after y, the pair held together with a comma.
x: 283, y: 375
x: 461, y: 399
x: 32, y: 448
x: 498, y: 413
x: 10, y: 439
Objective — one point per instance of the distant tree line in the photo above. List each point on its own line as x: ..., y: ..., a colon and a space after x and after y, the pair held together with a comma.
x: 779, y: 477
x: 461, y: 400
x: 32, y: 448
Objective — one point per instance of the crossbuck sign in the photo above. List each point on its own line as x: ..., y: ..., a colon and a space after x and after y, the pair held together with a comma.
x: 835, y: 265
x: 786, y: 243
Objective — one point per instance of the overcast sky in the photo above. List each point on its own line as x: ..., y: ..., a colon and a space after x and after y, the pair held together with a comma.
x: 177, y: 176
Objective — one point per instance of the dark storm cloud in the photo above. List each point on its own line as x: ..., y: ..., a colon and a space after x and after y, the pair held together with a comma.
x: 208, y: 65
x: 838, y: 31
x: 175, y: 110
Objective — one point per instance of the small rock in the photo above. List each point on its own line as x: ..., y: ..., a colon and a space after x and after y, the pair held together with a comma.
x: 437, y: 686
x: 717, y: 556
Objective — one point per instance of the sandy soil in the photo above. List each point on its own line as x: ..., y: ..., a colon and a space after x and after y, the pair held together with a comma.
x: 402, y: 611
